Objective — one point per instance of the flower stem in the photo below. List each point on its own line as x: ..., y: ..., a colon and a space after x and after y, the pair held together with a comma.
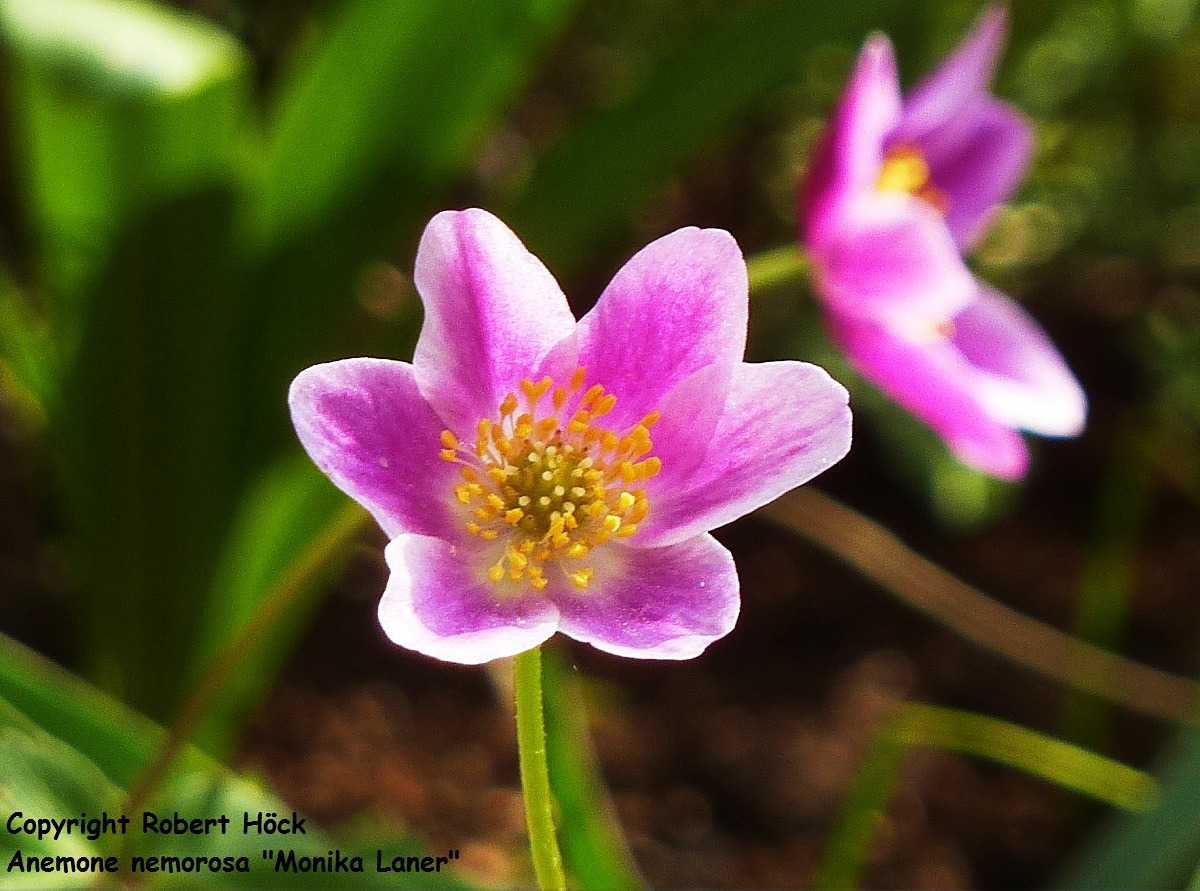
x: 776, y: 266
x: 535, y: 774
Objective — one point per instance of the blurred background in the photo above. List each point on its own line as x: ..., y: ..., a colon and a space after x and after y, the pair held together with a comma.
x: 198, y: 199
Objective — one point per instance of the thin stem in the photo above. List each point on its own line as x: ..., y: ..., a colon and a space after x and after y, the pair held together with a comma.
x: 776, y: 266
x: 913, y: 724
x: 535, y: 774
x: 879, y: 555
x: 348, y: 523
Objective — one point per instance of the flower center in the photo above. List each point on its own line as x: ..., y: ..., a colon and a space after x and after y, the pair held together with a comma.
x: 905, y: 170
x: 552, y: 490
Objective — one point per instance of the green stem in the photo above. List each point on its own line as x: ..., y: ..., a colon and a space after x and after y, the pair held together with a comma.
x: 913, y: 724
x: 535, y: 774
x: 776, y: 267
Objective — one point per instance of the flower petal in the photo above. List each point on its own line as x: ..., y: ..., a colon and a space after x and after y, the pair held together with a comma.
x: 690, y: 413
x: 369, y: 429
x: 932, y: 379
x: 977, y: 146
x: 679, y: 305
x: 963, y: 76
x: 848, y: 162
x: 1020, y: 377
x: 492, y: 313
x: 781, y: 425
x: 656, y: 603
x: 893, y: 257
x: 977, y: 165
x: 436, y: 604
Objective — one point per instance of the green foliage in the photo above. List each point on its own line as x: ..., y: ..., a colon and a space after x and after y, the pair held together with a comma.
x: 1156, y: 849
x: 68, y: 749
x: 594, y: 851
x: 913, y: 724
x: 191, y: 266
x: 703, y: 85
x: 193, y: 247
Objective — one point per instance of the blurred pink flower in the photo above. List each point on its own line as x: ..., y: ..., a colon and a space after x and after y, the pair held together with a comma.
x: 536, y: 474
x: 899, y: 188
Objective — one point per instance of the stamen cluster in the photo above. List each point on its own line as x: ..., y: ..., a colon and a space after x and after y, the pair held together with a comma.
x: 906, y: 170
x: 552, y: 490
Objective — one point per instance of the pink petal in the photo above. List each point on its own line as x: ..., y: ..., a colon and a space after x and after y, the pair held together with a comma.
x: 847, y: 164
x: 655, y: 603
x: 955, y: 84
x: 368, y: 428
x: 978, y: 164
x: 678, y: 305
x: 781, y: 425
x: 892, y: 257
x: 977, y: 147
x: 492, y: 313
x: 436, y: 603
x: 1019, y: 375
x: 690, y: 413
x: 927, y: 374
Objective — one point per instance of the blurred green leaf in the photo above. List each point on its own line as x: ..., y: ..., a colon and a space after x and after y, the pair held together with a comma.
x: 367, y: 132
x: 1158, y: 849
x: 411, y: 86
x: 131, y: 120
x: 700, y: 88
x: 117, y: 104
x: 595, y: 853
x: 915, y: 724
x: 293, y: 534
x: 147, y: 441
x: 45, y: 778
x: 68, y: 749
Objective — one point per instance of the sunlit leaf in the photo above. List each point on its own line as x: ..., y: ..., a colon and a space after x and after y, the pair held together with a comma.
x: 131, y: 121
x: 117, y: 104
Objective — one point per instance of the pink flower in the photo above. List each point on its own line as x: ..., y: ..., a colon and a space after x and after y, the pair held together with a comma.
x: 899, y: 188
x: 537, y: 474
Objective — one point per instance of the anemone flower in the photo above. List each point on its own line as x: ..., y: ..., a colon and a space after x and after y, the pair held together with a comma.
x: 899, y: 188
x: 536, y: 474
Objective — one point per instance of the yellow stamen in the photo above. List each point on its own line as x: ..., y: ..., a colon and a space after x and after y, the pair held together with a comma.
x: 905, y: 170
x: 552, y: 486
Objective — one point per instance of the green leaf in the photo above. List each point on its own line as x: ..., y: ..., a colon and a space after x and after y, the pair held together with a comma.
x: 367, y: 132
x: 116, y: 740
x: 412, y: 86
x: 914, y: 724
x: 293, y: 534
x: 147, y: 443
x: 116, y: 105
x: 131, y: 122
x: 68, y: 749
x: 701, y: 87
x: 45, y: 778
x: 1157, y: 849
